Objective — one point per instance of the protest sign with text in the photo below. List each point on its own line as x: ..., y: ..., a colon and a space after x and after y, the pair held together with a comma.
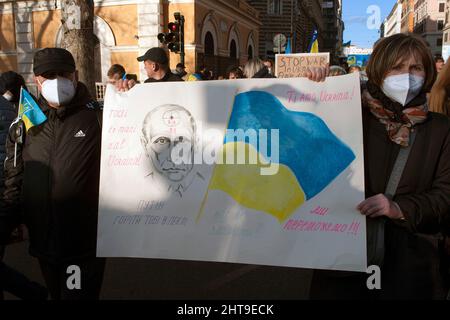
x: 296, y: 65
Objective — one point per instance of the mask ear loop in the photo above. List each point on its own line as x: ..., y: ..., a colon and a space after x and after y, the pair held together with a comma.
x: 39, y: 91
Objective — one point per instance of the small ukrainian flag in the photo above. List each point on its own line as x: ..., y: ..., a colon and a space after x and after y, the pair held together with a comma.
x: 314, y: 45
x: 29, y: 111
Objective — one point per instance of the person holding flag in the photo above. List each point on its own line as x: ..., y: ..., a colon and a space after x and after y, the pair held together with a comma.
x: 52, y: 175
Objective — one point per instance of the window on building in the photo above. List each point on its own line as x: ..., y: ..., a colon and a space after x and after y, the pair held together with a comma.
x: 327, y: 4
x: 250, y: 52
x: 209, y: 44
x: 440, y: 25
x: 274, y: 7
x: 446, y: 37
x: 439, y: 42
x: 441, y: 7
x: 233, y: 49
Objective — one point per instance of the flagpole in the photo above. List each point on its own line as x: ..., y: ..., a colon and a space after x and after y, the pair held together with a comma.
x: 20, y: 100
x: 18, y: 116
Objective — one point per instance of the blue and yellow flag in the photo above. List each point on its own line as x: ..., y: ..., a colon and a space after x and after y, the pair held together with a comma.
x: 311, y: 157
x: 314, y: 45
x: 29, y: 111
x: 288, y: 47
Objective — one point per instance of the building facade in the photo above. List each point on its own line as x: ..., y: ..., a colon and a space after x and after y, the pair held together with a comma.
x: 446, y: 32
x: 407, y: 24
x: 217, y: 32
x: 429, y: 20
x: 393, y: 22
x: 334, y: 28
x: 298, y: 17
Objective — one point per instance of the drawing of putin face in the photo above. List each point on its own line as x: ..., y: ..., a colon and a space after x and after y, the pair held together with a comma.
x: 164, y: 128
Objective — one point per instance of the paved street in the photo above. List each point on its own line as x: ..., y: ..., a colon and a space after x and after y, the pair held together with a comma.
x: 163, y: 279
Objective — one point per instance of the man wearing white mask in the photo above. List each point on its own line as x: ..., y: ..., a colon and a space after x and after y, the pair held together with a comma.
x: 53, y: 183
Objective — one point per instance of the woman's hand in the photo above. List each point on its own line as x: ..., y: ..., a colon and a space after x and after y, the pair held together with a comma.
x: 380, y: 205
x: 318, y: 74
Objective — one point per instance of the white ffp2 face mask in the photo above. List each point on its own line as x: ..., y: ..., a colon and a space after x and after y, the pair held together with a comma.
x: 403, y: 88
x: 58, y: 91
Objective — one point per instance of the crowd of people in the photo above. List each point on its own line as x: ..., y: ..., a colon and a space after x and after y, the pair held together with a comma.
x: 50, y: 181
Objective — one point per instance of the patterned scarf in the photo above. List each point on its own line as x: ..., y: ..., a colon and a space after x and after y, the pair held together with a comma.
x: 398, y: 120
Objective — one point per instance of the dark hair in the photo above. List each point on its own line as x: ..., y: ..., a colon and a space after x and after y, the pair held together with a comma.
x: 116, y: 69
x: 132, y: 76
x: 438, y: 58
x: 388, y: 51
x: 236, y: 71
x: 205, y: 73
x: 270, y: 61
x: 11, y: 81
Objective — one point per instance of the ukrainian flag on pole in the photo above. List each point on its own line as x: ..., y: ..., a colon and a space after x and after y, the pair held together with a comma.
x: 314, y: 45
x: 29, y: 111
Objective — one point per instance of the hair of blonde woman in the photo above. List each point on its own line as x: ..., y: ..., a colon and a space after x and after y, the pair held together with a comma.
x: 337, y: 71
x: 252, y: 67
x: 439, y: 96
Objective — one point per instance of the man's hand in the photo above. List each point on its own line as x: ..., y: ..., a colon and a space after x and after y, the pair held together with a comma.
x: 318, y: 74
x: 125, y: 85
x: 378, y: 206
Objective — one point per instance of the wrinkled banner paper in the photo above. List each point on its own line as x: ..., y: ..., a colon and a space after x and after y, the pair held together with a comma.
x: 300, y: 213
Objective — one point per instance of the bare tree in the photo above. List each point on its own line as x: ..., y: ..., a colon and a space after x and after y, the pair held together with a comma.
x: 77, y: 17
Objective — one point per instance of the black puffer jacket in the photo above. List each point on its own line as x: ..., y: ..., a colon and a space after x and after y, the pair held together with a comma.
x: 55, y: 184
x: 7, y: 115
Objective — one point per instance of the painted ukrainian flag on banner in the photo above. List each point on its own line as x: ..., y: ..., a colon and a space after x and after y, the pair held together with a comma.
x: 29, y: 111
x: 314, y: 45
x: 311, y: 156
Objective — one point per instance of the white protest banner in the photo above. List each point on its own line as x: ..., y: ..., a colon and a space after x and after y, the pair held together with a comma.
x: 265, y: 172
x: 295, y: 65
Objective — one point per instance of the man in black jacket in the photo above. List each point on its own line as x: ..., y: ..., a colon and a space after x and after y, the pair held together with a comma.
x: 156, y: 65
x: 54, y: 181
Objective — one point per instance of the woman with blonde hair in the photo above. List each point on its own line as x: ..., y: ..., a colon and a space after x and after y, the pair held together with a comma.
x: 255, y: 68
x: 440, y: 102
x: 439, y: 96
